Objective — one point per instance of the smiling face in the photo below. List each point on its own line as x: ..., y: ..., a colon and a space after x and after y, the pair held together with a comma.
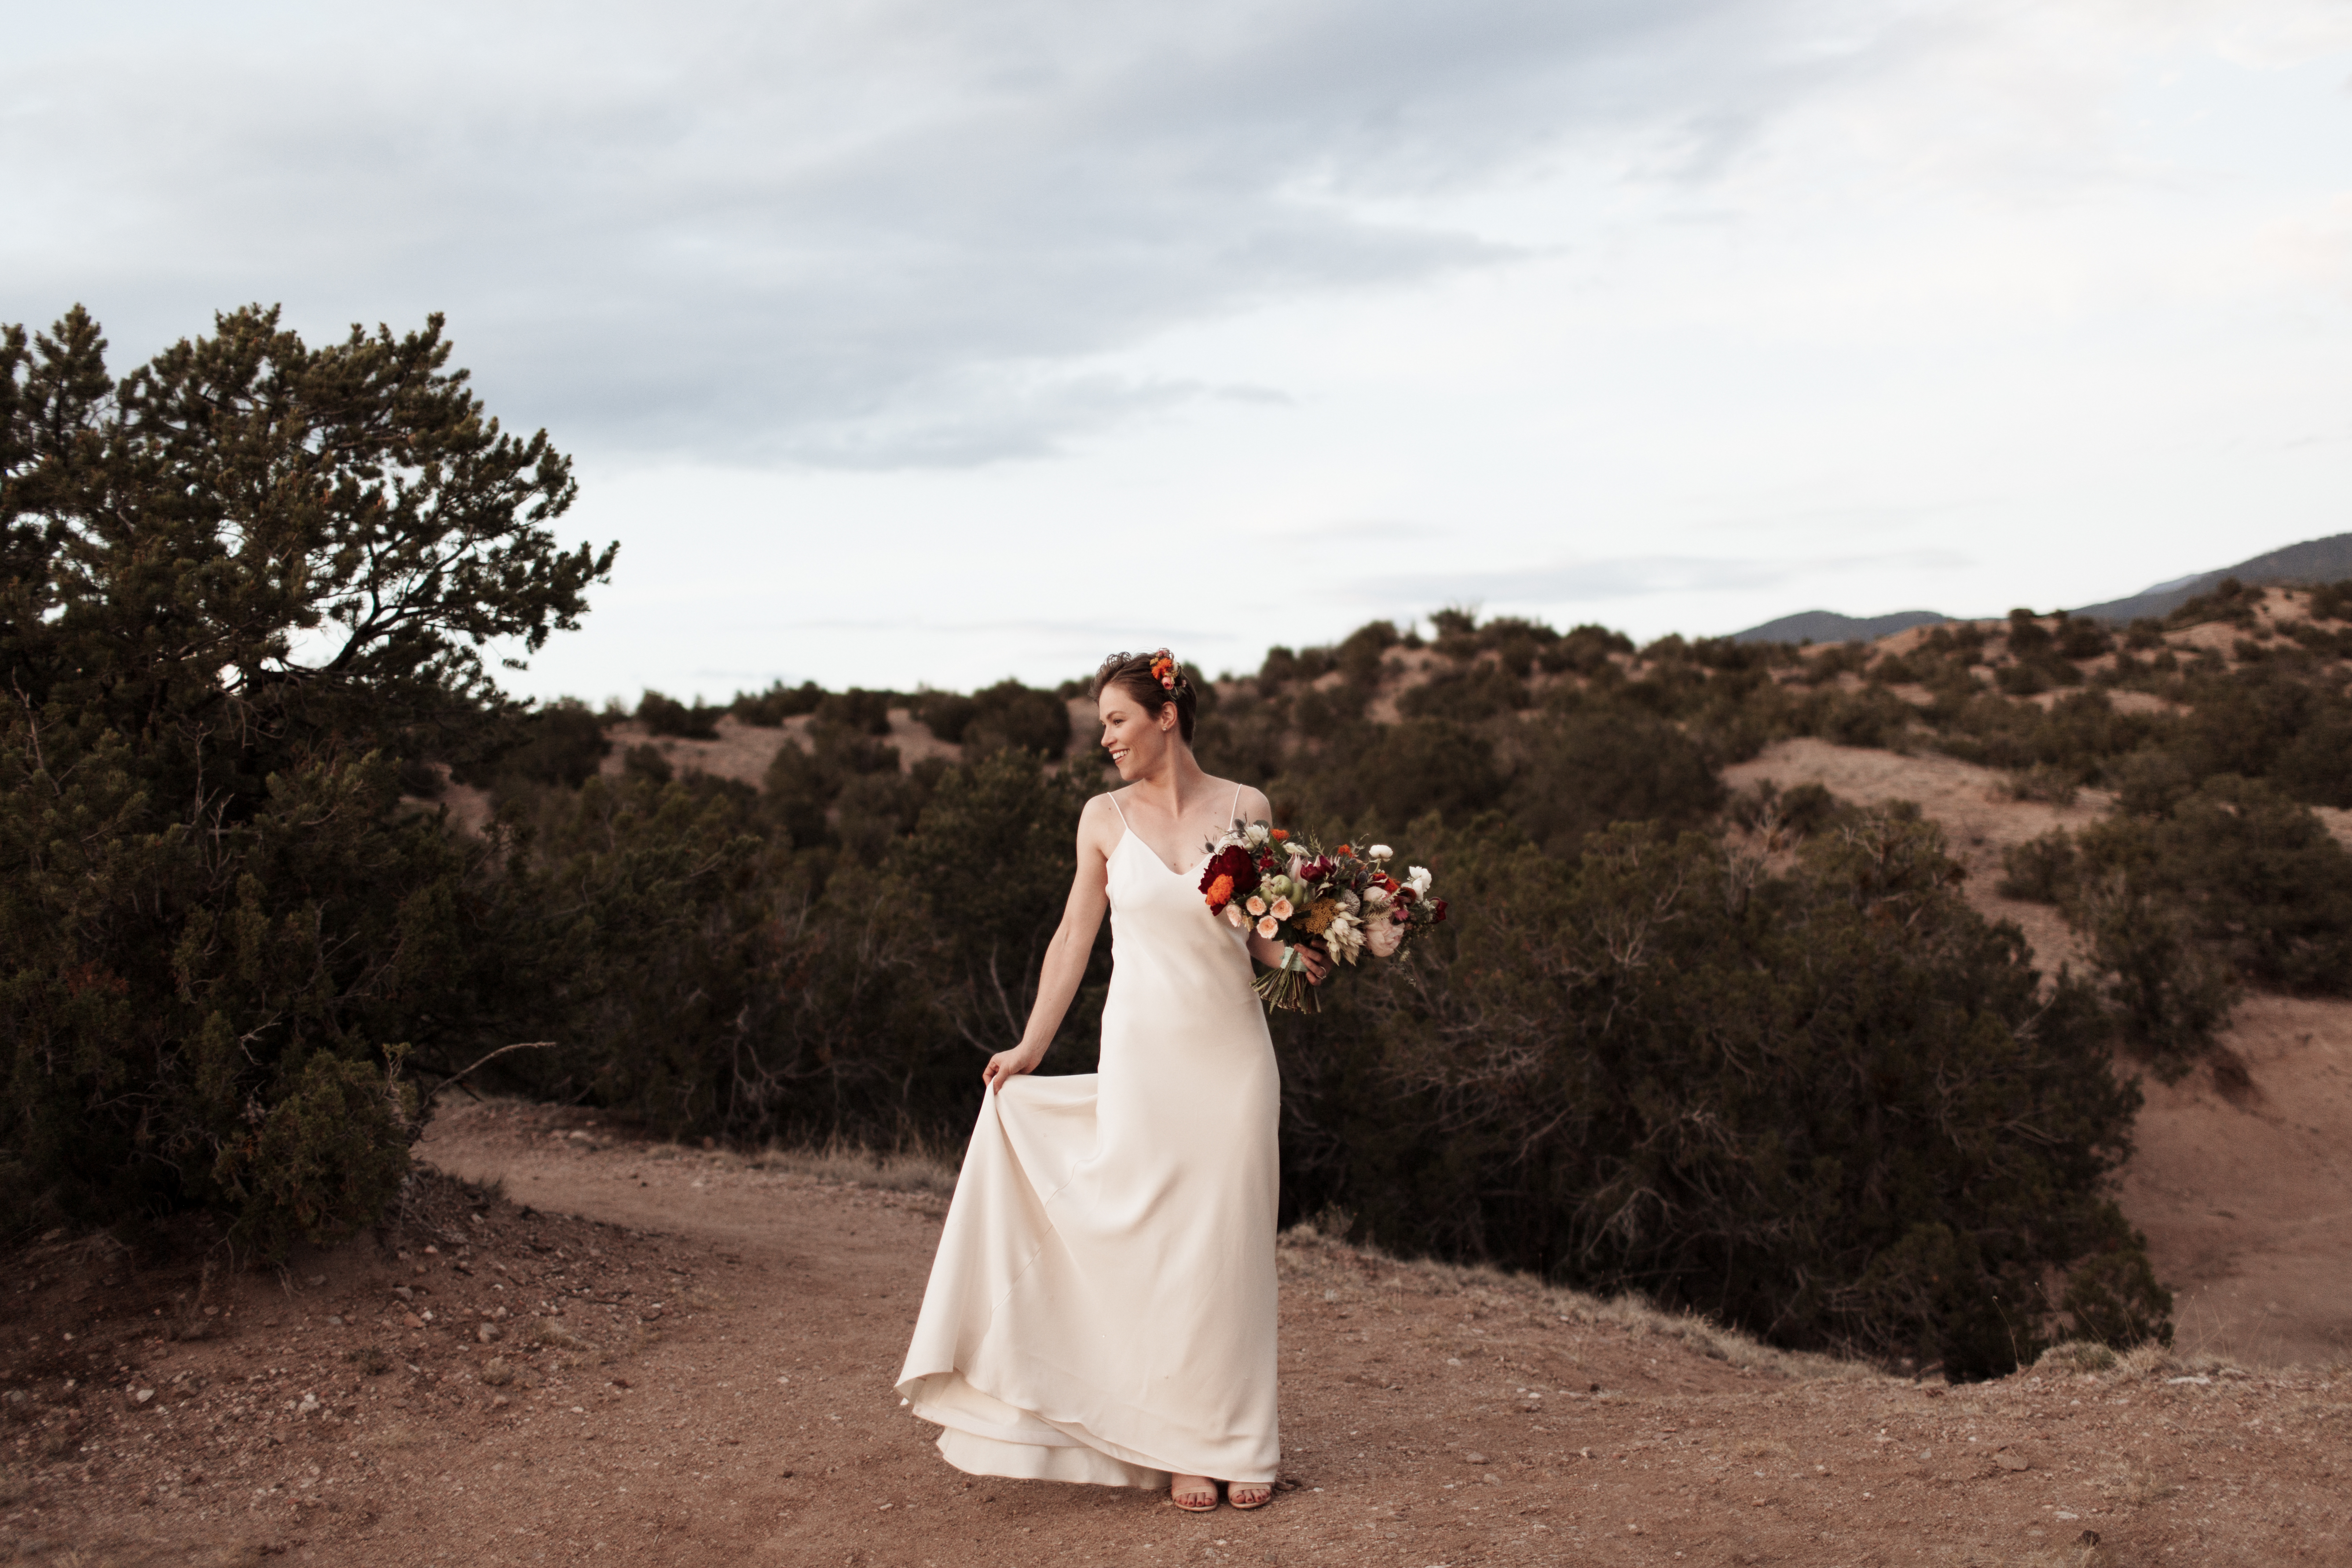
x: 1138, y: 740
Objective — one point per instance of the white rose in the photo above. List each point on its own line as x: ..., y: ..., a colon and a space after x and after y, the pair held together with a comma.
x: 1381, y: 851
x: 1418, y: 880
x: 1378, y: 897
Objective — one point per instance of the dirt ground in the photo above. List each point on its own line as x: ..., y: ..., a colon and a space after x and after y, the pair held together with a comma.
x: 2244, y: 1190
x: 689, y: 1357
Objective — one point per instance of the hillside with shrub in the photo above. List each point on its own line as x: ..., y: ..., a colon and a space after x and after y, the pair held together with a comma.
x: 1752, y: 1054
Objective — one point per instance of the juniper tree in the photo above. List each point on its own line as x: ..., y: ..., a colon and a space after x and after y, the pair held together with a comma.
x: 237, y: 587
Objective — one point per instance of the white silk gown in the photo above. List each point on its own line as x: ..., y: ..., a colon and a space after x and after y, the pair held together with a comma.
x: 1102, y: 1306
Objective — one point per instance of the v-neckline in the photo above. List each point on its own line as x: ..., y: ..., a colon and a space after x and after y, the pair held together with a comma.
x: 1164, y: 866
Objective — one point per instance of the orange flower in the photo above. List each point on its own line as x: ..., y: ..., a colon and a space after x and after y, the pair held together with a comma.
x: 1220, y: 893
x: 1345, y: 849
x: 1280, y: 834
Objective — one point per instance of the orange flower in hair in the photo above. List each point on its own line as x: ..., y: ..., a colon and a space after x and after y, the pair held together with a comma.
x: 1164, y: 669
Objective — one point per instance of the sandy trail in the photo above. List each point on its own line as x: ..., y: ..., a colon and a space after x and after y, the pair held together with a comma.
x: 726, y: 1399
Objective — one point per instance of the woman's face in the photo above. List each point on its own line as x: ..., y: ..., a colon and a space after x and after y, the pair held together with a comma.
x: 1136, y: 740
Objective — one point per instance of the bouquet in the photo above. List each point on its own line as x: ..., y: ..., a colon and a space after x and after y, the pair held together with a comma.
x: 1345, y: 902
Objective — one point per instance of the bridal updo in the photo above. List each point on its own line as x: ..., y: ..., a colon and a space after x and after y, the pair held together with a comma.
x: 1154, y: 679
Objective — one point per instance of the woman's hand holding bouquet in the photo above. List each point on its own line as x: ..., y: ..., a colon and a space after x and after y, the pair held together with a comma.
x: 1345, y: 902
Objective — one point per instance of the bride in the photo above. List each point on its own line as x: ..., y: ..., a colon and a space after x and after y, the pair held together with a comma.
x: 1102, y: 1306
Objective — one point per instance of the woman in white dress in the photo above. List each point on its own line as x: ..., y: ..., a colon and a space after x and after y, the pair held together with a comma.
x: 1102, y: 1305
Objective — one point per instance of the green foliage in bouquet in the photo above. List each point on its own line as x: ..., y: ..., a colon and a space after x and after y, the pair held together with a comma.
x: 1837, y: 1106
x: 241, y: 591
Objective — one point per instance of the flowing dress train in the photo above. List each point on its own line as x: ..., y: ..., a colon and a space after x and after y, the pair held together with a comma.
x: 1102, y: 1305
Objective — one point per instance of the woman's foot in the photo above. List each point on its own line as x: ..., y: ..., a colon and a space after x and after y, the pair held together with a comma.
x: 1249, y: 1494
x: 1193, y: 1494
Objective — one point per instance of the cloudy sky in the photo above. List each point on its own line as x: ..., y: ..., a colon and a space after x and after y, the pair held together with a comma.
x: 904, y: 341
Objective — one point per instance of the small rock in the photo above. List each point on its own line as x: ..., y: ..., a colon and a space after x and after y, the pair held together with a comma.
x: 142, y: 1396
x: 412, y: 1320
x: 499, y: 1372
x: 487, y: 1334
x: 334, y: 1321
x: 316, y: 1281
x: 2011, y: 1460
x: 499, y: 1401
x: 1491, y: 1478
x: 1474, y: 1458
x: 403, y: 1292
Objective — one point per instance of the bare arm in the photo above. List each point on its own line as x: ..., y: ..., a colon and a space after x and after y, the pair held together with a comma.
x: 1066, y: 955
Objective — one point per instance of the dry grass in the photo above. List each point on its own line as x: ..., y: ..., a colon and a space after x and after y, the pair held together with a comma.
x: 1361, y: 1273
x: 918, y: 1168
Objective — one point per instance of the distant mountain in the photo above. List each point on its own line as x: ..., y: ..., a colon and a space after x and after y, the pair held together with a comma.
x: 2326, y: 559
x: 1828, y: 626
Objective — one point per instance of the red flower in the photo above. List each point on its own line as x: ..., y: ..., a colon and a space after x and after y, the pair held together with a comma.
x: 1229, y: 875
x: 1437, y: 911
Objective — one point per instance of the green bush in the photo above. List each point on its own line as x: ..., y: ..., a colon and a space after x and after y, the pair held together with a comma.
x: 1781, y: 1099
x: 1010, y: 715
x: 240, y: 588
x: 770, y: 708
x: 2256, y: 873
x: 667, y: 716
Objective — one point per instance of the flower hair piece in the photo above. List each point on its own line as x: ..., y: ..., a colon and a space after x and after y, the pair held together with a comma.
x: 1166, y: 670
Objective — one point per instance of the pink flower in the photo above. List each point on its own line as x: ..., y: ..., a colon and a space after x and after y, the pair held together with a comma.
x: 1267, y: 927
x: 1382, y: 938
x: 1282, y: 910
x: 1257, y: 905
x: 1235, y: 918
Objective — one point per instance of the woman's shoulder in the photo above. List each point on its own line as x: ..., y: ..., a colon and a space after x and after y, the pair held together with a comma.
x: 1249, y: 800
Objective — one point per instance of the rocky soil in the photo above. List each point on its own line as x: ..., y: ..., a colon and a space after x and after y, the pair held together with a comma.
x: 647, y: 1354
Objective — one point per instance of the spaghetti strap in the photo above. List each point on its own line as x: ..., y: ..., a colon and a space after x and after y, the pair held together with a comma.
x: 1113, y: 797
x: 1235, y: 814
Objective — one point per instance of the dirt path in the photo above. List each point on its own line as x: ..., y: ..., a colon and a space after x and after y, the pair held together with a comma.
x: 716, y: 1390
x: 2244, y: 1192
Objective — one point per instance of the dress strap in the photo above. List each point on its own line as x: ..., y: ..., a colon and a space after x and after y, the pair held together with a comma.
x: 1113, y: 798
x: 1235, y: 814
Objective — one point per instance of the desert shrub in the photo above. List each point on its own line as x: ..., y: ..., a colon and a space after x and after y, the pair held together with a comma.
x: 1584, y: 650
x: 646, y: 762
x: 562, y: 743
x: 2043, y: 782
x: 1582, y: 770
x: 2331, y: 601
x: 1022, y: 718
x: 779, y: 702
x: 217, y: 924
x: 667, y: 716
x: 2112, y: 1299
x: 2229, y: 600
x: 2076, y: 639
x: 2258, y: 875
x: 946, y: 714
x: 803, y: 781
x: 2168, y: 994
x: 1479, y: 692
x: 1785, y: 1099
x: 855, y: 709
x: 1413, y: 765
x: 2040, y: 871
x: 1872, y: 716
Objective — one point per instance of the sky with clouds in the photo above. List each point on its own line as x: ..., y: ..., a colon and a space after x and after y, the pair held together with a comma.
x: 903, y: 342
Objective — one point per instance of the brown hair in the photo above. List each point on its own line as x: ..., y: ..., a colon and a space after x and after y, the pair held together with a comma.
x: 1131, y: 673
